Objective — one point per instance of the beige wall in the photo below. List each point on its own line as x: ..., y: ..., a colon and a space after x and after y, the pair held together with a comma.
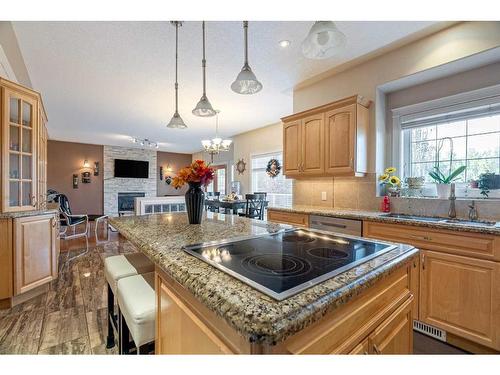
x: 175, y: 161
x: 8, y: 40
x: 260, y: 141
x: 65, y: 159
x: 456, y: 42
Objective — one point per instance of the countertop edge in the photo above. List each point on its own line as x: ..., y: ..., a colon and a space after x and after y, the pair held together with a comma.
x: 376, y: 217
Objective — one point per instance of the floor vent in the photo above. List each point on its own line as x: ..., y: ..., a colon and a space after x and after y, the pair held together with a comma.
x: 429, y: 330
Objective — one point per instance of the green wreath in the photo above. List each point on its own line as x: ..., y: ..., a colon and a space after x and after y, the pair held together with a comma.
x: 273, y: 168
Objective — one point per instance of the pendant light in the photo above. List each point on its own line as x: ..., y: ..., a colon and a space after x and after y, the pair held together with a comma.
x: 323, y: 41
x: 246, y: 82
x: 204, y: 108
x: 176, y: 121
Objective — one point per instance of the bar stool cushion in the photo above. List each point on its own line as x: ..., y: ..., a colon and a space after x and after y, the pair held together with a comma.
x: 120, y: 266
x: 136, y: 300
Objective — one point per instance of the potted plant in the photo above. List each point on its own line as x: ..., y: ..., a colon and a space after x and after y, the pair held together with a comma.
x: 196, y: 175
x: 391, y: 182
x: 443, y: 181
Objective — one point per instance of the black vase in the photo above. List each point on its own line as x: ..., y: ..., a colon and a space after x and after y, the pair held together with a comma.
x: 195, y: 200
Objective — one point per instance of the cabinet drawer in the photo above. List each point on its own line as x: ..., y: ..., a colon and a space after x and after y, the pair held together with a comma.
x: 477, y: 245
x: 292, y: 218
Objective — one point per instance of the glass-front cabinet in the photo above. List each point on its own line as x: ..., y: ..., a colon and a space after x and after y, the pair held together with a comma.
x: 20, y: 164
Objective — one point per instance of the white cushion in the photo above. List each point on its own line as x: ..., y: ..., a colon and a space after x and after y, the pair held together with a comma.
x: 120, y: 266
x: 136, y: 299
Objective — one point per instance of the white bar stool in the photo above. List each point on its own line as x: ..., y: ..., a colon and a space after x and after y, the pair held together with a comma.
x: 115, y: 268
x: 136, y: 312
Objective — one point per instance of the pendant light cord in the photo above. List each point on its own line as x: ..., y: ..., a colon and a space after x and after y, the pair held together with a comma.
x: 245, y: 29
x: 204, y: 61
x: 176, y: 53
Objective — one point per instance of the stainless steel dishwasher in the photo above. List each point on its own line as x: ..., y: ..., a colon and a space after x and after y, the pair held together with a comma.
x: 336, y: 225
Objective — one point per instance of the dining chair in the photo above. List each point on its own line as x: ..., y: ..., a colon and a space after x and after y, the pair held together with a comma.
x: 212, y: 195
x: 254, y: 207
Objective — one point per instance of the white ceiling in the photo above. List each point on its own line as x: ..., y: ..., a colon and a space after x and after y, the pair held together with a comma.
x: 104, y: 82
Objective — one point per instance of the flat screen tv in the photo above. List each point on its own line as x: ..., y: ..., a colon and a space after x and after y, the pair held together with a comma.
x: 131, y: 168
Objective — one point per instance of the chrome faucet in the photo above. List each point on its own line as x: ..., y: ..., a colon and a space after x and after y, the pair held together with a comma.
x: 452, y: 213
x: 472, y: 212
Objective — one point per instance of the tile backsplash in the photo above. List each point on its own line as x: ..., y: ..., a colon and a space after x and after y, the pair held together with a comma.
x: 359, y: 193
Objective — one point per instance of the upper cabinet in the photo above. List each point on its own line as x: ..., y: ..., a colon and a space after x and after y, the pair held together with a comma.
x: 330, y: 140
x: 22, y: 129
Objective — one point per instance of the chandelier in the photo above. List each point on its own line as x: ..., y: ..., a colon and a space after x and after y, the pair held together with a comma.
x: 217, y: 144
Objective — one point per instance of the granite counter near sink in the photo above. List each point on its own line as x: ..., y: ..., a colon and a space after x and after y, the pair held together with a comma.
x: 381, y: 217
x: 17, y: 214
x: 253, y: 315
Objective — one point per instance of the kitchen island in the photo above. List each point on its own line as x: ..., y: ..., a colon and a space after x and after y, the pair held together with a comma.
x: 200, y: 309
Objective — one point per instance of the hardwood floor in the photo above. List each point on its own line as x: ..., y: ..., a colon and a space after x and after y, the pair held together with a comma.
x: 71, y: 317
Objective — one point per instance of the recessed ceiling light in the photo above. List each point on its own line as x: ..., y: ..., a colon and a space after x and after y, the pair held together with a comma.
x: 284, y: 43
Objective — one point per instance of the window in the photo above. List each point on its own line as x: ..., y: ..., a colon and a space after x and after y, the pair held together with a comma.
x: 278, y: 189
x: 464, y: 128
x: 220, y: 180
x: 475, y: 142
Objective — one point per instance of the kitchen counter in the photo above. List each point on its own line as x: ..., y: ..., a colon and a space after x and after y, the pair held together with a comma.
x: 253, y: 315
x: 14, y: 215
x: 379, y: 217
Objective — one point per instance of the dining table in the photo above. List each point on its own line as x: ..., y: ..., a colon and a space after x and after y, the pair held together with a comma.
x: 233, y: 206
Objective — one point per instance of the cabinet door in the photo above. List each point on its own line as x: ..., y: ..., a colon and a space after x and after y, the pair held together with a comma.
x: 179, y: 330
x: 395, y: 334
x: 292, y: 148
x: 340, y: 132
x: 361, y: 348
x: 462, y: 296
x: 313, y: 145
x: 35, y: 260
x: 19, y: 149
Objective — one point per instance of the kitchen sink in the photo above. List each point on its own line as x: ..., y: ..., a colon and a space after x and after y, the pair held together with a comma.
x: 412, y: 217
x: 442, y: 220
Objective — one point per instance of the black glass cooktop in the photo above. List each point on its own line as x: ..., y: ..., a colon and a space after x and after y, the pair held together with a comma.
x: 283, y: 264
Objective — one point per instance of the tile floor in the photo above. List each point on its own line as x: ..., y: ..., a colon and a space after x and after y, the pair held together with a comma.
x: 71, y: 317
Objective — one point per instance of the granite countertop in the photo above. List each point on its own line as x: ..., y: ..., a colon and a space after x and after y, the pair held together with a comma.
x: 254, y: 315
x: 14, y: 215
x: 379, y: 217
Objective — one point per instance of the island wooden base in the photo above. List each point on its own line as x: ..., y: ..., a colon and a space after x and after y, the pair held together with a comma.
x: 377, y: 321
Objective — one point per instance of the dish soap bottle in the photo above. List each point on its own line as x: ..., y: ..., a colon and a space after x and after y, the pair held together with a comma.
x: 386, y: 205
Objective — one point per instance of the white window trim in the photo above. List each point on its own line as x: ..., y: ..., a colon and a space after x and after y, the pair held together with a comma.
x: 469, y: 99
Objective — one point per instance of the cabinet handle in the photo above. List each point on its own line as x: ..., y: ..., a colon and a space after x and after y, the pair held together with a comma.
x: 366, y: 352
x: 423, y: 261
x: 351, y: 162
x: 424, y: 238
x: 376, y: 349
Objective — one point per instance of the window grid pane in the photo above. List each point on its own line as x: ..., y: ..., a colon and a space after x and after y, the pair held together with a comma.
x: 476, y: 144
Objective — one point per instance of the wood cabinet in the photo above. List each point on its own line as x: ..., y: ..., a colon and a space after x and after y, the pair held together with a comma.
x: 22, y: 127
x: 459, y: 279
x: 330, y: 140
x: 378, y: 319
x: 292, y: 218
x: 395, y: 334
x: 461, y: 295
x: 35, y: 252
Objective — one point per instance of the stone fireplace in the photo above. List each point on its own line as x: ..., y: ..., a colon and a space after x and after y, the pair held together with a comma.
x: 126, y: 202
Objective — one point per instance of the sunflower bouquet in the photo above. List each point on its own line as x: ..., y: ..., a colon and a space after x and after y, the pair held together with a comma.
x: 390, y: 180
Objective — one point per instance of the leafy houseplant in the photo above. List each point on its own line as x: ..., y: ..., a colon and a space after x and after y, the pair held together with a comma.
x: 196, y: 175
x: 443, y: 181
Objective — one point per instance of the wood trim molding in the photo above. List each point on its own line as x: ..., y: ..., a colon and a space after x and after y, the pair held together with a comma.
x: 328, y: 107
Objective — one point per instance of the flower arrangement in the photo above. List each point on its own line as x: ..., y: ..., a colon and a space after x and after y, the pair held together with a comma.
x: 389, y: 178
x: 198, y: 171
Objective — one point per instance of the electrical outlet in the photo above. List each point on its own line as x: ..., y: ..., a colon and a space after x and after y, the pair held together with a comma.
x: 323, y: 195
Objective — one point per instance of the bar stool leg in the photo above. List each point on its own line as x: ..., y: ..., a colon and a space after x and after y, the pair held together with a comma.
x: 110, y: 340
x: 124, y: 335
